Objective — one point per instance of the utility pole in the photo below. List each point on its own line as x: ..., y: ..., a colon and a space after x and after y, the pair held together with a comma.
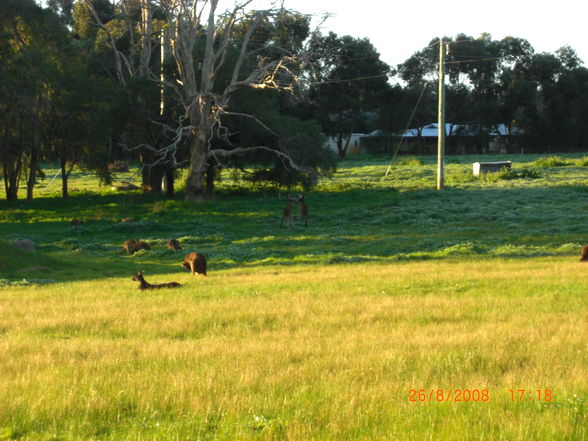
x: 162, y: 44
x: 441, y: 119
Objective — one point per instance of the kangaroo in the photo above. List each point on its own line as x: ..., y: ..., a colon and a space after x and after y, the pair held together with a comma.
x: 173, y: 244
x: 132, y: 246
x: 143, y: 284
x: 303, y: 210
x: 584, y: 253
x: 196, y: 263
x: 76, y: 222
x: 287, y: 213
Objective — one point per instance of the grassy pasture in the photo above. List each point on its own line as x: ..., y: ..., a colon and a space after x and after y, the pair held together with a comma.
x: 315, y: 333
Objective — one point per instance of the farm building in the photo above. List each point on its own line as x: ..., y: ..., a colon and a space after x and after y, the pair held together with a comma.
x: 355, y: 143
x: 460, y: 138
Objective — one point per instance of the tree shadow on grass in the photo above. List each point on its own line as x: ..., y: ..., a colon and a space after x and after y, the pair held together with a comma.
x: 354, y: 226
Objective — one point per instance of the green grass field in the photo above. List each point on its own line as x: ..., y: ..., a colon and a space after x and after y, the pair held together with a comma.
x: 369, y: 324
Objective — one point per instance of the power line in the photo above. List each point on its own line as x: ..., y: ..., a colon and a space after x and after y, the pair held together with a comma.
x: 473, y: 59
x: 416, y: 106
x: 369, y: 77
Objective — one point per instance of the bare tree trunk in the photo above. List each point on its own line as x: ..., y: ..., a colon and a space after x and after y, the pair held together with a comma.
x: 151, y: 179
x: 31, y: 179
x: 146, y: 35
x: 64, y: 178
x: 210, y: 175
x: 11, y: 173
x: 340, y: 151
x: 169, y: 182
x: 195, y: 180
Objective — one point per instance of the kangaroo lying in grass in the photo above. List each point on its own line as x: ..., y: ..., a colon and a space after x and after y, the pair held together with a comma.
x: 143, y: 284
x: 132, y: 246
x: 173, y: 244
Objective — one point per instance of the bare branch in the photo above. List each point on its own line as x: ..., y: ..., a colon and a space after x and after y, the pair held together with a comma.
x: 118, y: 55
x: 248, y: 116
x: 286, y: 158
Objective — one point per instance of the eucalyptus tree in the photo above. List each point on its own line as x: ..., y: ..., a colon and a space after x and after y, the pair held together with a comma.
x: 351, y: 81
x: 29, y: 46
x: 561, y: 121
x: 78, y: 120
x: 487, y: 76
x: 216, y: 54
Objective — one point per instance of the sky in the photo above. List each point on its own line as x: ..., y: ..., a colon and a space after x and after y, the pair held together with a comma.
x: 398, y: 29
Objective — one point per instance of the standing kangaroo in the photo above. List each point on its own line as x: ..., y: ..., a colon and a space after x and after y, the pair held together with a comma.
x: 196, y: 263
x: 287, y: 213
x: 584, y: 255
x: 143, y: 284
x: 303, y: 210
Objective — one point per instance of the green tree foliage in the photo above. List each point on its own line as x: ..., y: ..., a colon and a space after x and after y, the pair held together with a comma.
x: 29, y: 42
x: 78, y: 121
x: 84, y: 23
x: 51, y: 107
x: 273, y: 128
x: 352, y: 80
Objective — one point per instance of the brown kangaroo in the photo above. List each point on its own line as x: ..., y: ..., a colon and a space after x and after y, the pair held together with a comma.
x: 303, y: 210
x: 143, y: 284
x: 173, y: 244
x: 196, y: 263
x: 76, y: 222
x: 287, y: 213
x: 132, y: 246
x: 584, y: 253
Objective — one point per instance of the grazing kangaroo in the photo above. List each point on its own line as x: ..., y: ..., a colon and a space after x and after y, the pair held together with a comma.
x: 584, y: 253
x: 287, y: 213
x: 132, y: 246
x: 143, y: 284
x: 173, y: 244
x: 303, y: 210
x: 196, y: 263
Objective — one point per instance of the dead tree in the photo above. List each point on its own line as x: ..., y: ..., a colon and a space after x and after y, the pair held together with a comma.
x: 202, y: 100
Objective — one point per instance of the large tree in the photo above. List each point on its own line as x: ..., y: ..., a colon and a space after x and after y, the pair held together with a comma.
x: 30, y: 38
x: 215, y: 54
x: 488, y: 88
x: 205, y: 45
x: 351, y: 81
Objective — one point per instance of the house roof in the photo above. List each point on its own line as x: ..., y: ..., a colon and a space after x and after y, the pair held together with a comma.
x: 431, y: 130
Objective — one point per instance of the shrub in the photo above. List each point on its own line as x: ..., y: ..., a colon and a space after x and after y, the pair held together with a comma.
x: 551, y: 161
x: 408, y: 160
x: 581, y: 162
x: 524, y: 173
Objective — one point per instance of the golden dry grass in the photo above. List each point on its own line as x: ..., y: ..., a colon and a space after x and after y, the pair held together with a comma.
x: 300, y: 353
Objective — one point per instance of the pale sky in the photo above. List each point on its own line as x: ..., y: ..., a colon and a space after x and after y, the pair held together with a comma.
x: 397, y: 29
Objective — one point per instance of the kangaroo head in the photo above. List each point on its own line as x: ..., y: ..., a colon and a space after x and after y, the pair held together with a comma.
x: 137, y: 277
